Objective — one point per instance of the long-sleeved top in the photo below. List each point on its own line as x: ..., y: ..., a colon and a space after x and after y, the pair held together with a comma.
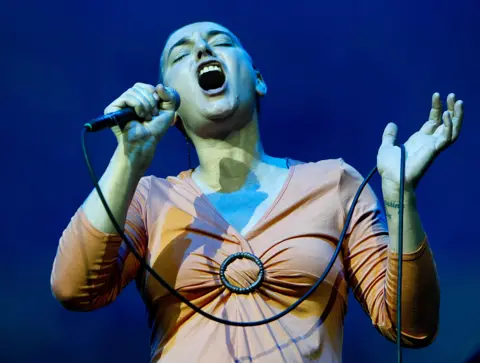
x: 184, y: 238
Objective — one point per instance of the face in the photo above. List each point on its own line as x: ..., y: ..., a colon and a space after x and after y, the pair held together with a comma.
x: 215, y: 78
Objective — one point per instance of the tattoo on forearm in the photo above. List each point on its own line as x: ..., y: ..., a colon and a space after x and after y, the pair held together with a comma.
x: 391, y: 204
x: 392, y: 207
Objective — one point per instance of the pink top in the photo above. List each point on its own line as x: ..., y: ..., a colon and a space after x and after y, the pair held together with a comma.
x: 186, y: 240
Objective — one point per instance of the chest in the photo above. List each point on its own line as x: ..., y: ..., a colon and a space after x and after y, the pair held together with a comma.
x: 243, y: 209
x: 291, y: 226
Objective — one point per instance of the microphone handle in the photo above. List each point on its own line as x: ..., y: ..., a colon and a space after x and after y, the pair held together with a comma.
x: 118, y: 118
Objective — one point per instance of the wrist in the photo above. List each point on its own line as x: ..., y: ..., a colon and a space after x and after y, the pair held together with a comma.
x: 391, y: 191
x: 124, y: 163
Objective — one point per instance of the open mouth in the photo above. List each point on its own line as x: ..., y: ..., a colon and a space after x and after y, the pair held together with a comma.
x: 211, y: 77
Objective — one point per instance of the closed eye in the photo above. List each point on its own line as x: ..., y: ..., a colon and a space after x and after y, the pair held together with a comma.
x: 223, y: 44
x: 180, y: 57
x: 222, y: 41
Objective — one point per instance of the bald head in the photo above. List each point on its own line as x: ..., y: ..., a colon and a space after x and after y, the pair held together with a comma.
x: 214, y: 76
x: 187, y: 35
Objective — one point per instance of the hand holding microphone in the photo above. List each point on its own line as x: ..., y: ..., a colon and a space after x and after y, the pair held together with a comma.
x: 145, y: 113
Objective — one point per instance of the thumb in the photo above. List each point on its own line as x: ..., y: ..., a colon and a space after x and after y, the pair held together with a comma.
x: 389, y: 134
x: 169, y: 98
x: 159, y: 124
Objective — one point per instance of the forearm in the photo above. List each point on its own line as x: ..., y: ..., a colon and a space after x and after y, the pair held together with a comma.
x: 118, y: 185
x: 86, y: 273
x: 420, y: 288
x: 413, y: 232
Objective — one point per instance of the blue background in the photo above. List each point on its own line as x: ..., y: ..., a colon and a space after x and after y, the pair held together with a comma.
x: 337, y: 72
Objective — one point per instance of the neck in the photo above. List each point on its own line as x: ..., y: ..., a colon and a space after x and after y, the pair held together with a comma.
x: 228, y: 164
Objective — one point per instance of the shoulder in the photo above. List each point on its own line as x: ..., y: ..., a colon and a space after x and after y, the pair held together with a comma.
x: 315, y: 177
x: 327, y: 169
x: 338, y: 168
x: 337, y: 173
x: 169, y: 190
x: 156, y: 185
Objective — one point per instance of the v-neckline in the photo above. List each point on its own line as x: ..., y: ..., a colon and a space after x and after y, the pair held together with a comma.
x: 193, y: 184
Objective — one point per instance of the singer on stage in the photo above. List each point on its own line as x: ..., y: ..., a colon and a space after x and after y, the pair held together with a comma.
x: 287, y: 213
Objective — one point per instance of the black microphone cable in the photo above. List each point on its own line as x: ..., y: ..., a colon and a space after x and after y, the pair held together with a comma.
x: 148, y: 268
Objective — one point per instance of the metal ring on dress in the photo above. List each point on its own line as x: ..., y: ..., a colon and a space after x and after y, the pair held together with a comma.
x: 242, y: 290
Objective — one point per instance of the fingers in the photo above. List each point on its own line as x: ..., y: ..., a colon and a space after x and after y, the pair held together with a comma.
x: 457, y: 119
x: 436, y: 111
x: 168, y: 103
x: 443, y: 134
x: 446, y: 136
x: 170, y: 100
x: 447, y: 122
x: 150, y: 99
x: 451, y: 103
x: 146, y: 102
x: 389, y: 134
x: 154, y: 104
x: 455, y: 111
x: 429, y: 127
x: 140, y: 97
x: 450, y: 129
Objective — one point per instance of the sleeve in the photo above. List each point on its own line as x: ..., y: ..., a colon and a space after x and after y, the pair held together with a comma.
x: 371, y: 269
x: 91, y: 267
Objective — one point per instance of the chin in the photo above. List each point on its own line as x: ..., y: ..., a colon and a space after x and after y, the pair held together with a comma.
x: 220, y: 109
x: 221, y: 118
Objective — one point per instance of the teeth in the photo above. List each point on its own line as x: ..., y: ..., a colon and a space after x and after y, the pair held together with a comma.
x: 209, y: 69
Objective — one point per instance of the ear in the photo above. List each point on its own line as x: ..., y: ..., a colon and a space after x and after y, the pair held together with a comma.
x: 260, y: 85
x: 176, y: 120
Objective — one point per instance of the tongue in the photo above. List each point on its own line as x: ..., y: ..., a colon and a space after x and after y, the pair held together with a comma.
x: 211, y: 80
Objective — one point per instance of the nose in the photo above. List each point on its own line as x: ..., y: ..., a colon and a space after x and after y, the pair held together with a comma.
x: 202, y: 49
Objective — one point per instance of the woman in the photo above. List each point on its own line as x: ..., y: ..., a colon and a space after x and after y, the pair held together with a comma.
x: 288, y: 214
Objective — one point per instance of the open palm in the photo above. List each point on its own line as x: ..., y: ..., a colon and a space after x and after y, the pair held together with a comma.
x: 438, y: 133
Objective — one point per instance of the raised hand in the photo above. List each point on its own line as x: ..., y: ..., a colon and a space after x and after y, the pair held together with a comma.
x: 437, y: 134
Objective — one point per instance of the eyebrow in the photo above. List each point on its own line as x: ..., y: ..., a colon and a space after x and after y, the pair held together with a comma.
x: 186, y: 40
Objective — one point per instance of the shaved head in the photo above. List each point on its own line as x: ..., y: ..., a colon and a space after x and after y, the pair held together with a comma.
x: 181, y: 36
x: 215, y: 78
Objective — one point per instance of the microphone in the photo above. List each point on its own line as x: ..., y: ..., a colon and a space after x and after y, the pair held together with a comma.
x: 121, y: 117
x: 118, y: 118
